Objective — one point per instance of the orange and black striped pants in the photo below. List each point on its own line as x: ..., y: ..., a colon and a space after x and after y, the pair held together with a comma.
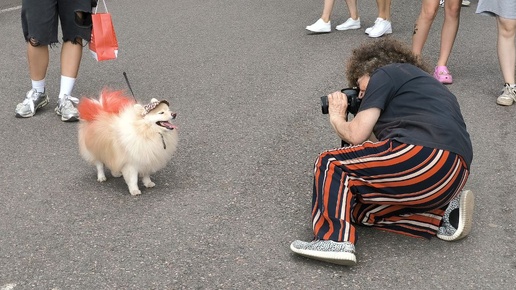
x: 388, y: 185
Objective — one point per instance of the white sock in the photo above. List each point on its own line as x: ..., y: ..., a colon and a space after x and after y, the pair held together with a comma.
x: 39, y: 86
x: 67, y: 84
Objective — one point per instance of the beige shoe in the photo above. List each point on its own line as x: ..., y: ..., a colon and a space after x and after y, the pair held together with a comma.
x: 508, y: 97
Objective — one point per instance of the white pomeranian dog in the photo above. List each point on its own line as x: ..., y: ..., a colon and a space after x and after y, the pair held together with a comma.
x: 128, y: 138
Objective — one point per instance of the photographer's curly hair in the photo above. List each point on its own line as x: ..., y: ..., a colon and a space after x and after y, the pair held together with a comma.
x: 370, y: 56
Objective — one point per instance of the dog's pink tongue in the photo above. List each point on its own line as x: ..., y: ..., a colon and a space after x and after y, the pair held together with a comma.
x: 168, y: 125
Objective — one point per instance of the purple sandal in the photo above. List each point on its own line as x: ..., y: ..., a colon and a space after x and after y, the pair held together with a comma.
x: 442, y: 74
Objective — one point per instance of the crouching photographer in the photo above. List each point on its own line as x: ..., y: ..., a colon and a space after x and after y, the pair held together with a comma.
x: 411, y: 180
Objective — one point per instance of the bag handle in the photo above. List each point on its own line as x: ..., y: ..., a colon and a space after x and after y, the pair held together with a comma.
x: 97, y: 7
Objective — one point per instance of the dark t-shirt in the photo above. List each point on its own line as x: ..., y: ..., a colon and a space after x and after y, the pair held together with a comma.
x: 416, y: 109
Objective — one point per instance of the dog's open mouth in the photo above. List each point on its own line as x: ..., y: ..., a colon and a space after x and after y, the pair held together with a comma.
x: 166, y: 125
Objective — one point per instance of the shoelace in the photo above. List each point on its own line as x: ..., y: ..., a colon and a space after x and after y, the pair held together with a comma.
x: 507, y: 89
x: 69, y: 101
x: 29, y: 100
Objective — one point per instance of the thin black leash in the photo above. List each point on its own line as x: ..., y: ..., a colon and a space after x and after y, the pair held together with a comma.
x: 129, y: 85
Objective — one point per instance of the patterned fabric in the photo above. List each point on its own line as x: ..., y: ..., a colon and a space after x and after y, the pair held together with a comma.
x: 389, y: 185
x: 446, y: 227
x: 151, y: 106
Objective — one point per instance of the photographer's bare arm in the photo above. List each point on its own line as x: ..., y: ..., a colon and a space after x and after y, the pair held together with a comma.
x: 357, y: 130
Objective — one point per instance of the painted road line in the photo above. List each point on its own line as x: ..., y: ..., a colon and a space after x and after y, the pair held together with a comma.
x: 7, y: 10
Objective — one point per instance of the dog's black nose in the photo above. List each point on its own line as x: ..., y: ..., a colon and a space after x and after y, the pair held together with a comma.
x: 173, y: 115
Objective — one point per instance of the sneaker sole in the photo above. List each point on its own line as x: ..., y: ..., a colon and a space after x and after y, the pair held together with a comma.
x: 316, y: 31
x: 340, y: 258
x: 466, y: 206
x: 66, y: 118
x: 376, y: 36
x: 504, y: 101
x: 69, y: 119
x: 347, y: 28
x: 41, y: 105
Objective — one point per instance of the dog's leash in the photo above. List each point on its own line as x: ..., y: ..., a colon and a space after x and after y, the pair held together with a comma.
x: 129, y: 85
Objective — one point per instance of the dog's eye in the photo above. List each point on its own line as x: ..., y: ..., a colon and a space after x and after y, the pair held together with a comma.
x: 161, y: 113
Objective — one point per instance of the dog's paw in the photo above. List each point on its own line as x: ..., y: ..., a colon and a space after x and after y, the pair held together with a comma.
x: 116, y: 174
x: 101, y: 178
x: 149, y: 184
x: 135, y: 192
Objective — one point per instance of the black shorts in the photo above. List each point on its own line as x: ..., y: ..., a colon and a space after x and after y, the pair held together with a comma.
x: 40, y: 20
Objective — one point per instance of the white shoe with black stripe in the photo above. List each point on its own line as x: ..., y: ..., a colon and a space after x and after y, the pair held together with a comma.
x: 342, y: 253
x: 458, y: 217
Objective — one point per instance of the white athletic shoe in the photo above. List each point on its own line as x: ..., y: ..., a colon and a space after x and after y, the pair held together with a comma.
x: 320, y: 26
x: 349, y: 24
x: 380, y: 28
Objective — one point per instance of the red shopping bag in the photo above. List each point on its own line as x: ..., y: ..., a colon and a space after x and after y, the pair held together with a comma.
x: 103, y: 44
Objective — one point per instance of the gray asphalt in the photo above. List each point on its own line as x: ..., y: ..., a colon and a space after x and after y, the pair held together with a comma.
x: 245, y: 78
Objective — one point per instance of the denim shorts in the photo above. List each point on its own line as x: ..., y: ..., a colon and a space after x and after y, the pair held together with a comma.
x: 40, y: 20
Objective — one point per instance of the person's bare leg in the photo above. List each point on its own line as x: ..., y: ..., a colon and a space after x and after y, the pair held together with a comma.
x: 423, y: 24
x: 38, y: 59
x: 327, y: 9
x: 353, y: 9
x: 506, y: 48
x: 449, y: 30
x: 384, y: 9
x: 71, y: 55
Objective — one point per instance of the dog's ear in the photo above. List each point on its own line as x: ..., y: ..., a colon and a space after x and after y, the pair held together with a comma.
x: 139, y: 109
x: 153, y: 100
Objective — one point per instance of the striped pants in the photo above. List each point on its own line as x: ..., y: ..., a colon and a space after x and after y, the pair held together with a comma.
x: 389, y: 185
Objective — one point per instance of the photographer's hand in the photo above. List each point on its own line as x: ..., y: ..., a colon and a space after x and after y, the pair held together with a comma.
x: 337, y: 106
x: 357, y: 130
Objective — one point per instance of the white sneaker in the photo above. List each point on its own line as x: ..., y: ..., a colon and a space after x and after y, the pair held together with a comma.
x: 380, y: 28
x: 349, y: 24
x: 342, y: 253
x: 320, y: 26
x: 371, y: 28
x: 507, y: 97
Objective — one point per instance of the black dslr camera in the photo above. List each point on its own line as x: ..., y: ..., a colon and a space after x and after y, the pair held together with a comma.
x: 353, y: 101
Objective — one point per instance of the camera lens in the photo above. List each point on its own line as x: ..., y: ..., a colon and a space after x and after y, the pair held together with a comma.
x: 324, y: 104
x: 353, y: 101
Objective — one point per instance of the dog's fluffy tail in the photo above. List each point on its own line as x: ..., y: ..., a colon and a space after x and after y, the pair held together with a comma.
x: 111, y: 102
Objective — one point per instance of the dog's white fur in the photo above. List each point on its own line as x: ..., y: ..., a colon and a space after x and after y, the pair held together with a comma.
x: 129, y: 143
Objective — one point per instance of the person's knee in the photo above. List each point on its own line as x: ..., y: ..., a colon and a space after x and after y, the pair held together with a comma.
x: 428, y: 14
x: 506, y: 28
x: 34, y: 42
x: 452, y: 11
x: 506, y: 32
